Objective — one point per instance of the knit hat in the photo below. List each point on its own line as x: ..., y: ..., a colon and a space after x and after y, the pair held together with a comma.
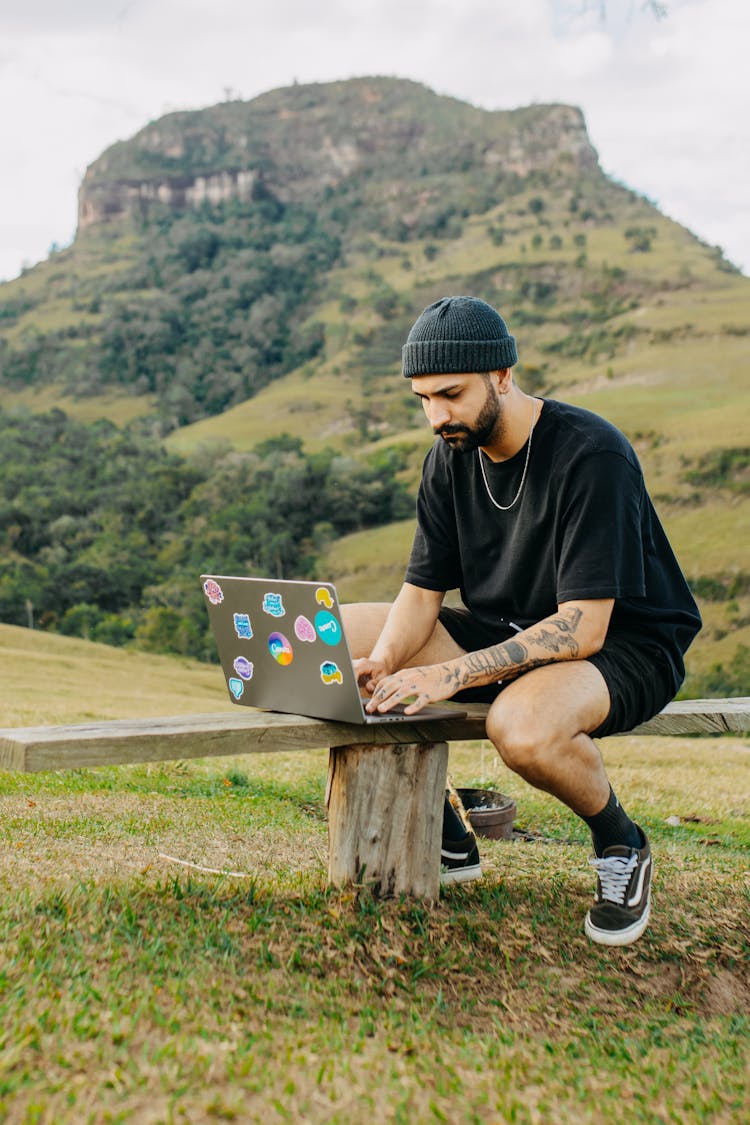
x: 458, y: 335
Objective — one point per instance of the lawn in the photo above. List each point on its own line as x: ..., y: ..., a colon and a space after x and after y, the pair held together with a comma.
x: 170, y: 952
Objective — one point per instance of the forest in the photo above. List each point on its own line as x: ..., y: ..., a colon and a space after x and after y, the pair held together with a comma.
x: 104, y: 534
x: 210, y: 312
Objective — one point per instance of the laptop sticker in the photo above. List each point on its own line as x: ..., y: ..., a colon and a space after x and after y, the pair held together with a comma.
x: 242, y: 626
x: 213, y: 591
x: 280, y: 649
x: 243, y: 667
x: 273, y: 604
x: 236, y: 687
x: 304, y: 629
x: 323, y: 597
x: 327, y: 627
x: 330, y: 673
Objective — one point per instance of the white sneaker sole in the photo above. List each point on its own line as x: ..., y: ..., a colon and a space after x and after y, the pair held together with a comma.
x: 460, y: 875
x: 618, y: 937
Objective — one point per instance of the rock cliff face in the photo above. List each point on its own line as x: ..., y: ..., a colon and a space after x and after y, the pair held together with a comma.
x: 111, y: 199
x: 299, y: 141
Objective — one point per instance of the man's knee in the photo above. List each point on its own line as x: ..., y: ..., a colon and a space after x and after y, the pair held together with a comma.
x: 518, y: 741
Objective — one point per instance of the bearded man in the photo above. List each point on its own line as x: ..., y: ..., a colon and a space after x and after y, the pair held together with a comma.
x: 575, y: 615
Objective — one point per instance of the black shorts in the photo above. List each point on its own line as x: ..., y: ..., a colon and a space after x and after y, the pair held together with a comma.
x: 640, y: 677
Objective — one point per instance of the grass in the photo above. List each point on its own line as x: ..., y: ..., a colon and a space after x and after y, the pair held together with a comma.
x: 136, y: 989
x: 47, y: 678
x: 120, y: 409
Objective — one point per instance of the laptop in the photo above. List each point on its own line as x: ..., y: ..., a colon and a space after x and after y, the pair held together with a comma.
x: 282, y: 648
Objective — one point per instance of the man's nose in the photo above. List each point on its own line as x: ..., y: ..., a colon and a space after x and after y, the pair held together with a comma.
x: 438, y: 414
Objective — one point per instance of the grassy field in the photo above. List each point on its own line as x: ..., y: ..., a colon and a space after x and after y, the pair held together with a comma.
x: 47, y: 678
x: 136, y: 986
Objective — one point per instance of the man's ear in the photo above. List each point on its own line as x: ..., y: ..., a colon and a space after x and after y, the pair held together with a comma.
x: 503, y: 379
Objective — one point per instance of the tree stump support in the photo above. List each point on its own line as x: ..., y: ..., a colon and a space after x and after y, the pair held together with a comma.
x: 385, y: 817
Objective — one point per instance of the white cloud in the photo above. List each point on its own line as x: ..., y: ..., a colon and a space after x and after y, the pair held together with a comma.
x: 667, y: 102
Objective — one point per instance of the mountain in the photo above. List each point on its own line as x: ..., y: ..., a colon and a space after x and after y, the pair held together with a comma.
x: 304, y: 143
x: 243, y: 277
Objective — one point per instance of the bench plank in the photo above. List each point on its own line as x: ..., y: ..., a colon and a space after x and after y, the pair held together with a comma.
x: 243, y: 731
x: 123, y: 741
x: 700, y: 716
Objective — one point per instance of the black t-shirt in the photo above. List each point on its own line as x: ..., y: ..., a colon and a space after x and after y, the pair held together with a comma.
x: 583, y: 527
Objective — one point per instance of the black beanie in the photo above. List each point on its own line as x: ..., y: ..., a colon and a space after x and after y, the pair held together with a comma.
x: 458, y: 335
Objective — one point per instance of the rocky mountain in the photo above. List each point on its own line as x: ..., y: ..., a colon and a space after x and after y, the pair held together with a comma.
x: 303, y: 143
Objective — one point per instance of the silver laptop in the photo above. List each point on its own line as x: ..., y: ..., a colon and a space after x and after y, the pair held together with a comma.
x: 282, y: 648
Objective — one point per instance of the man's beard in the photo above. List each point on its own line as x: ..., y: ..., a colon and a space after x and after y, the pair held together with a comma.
x: 488, y: 425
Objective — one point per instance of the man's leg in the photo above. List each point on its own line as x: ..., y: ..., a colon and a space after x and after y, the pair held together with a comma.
x: 540, y: 724
x: 363, y: 623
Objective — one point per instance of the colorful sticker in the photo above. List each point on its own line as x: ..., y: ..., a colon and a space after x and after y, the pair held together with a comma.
x: 330, y: 673
x: 242, y: 626
x: 327, y: 627
x: 236, y: 687
x: 213, y: 591
x: 323, y: 597
x: 273, y: 604
x: 243, y: 667
x: 304, y: 629
x: 280, y: 649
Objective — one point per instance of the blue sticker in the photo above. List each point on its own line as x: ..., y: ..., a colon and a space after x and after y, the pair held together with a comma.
x: 236, y: 687
x: 327, y: 627
x: 244, y: 667
x: 273, y: 604
x: 242, y: 626
x: 330, y: 673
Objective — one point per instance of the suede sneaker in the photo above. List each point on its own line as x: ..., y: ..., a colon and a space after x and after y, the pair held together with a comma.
x: 622, y: 903
x: 459, y: 860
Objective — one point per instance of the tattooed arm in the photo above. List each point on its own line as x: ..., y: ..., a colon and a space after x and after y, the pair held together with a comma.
x: 407, y: 629
x: 575, y: 632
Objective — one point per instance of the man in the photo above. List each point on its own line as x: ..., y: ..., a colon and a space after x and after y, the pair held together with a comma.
x: 576, y: 614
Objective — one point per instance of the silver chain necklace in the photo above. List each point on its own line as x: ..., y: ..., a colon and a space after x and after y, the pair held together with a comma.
x: 507, y: 507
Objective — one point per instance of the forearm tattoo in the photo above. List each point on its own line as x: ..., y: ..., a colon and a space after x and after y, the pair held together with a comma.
x: 551, y: 640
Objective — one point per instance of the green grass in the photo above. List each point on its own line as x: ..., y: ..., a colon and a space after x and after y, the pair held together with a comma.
x: 47, y: 678
x: 137, y: 986
x: 134, y: 989
x: 120, y: 409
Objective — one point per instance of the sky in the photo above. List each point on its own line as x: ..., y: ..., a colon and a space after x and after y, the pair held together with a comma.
x: 665, y: 87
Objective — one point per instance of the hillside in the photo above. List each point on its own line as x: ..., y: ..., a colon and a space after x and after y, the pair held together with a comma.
x: 51, y: 679
x: 249, y: 271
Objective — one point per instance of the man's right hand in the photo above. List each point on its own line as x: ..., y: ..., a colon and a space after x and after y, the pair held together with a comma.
x: 369, y: 673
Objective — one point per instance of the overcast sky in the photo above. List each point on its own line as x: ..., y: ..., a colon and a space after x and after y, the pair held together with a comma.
x: 666, y: 100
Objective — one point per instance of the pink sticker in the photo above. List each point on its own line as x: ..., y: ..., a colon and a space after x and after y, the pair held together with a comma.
x: 213, y: 591
x: 304, y: 629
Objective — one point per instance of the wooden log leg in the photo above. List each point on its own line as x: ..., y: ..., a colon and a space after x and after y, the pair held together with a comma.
x: 385, y: 817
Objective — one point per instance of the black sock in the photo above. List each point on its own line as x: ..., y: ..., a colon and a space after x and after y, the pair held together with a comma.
x: 453, y: 826
x: 613, y: 826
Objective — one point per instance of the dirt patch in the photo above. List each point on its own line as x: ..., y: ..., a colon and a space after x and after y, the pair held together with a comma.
x: 727, y: 993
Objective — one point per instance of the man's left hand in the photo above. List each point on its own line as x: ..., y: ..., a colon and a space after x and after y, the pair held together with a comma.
x: 420, y: 686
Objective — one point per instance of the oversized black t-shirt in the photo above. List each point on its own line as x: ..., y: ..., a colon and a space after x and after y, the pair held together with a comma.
x: 583, y: 527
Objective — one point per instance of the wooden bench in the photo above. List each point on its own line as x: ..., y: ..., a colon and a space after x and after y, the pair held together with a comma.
x: 385, y: 783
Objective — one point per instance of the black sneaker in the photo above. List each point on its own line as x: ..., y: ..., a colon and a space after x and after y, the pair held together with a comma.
x: 459, y: 860
x: 622, y: 903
